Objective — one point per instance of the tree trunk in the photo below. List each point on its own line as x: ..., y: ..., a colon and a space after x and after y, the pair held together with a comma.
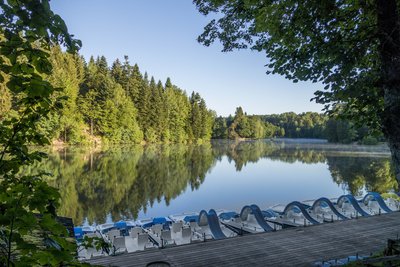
x: 91, y: 160
x: 389, y: 49
x: 91, y: 127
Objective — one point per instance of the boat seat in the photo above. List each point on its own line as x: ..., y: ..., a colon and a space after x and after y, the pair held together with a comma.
x: 373, y: 205
x: 236, y: 220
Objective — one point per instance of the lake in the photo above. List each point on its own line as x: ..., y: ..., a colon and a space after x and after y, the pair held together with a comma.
x: 133, y: 182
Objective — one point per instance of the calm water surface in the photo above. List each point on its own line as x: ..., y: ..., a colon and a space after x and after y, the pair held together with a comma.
x: 159, y: 180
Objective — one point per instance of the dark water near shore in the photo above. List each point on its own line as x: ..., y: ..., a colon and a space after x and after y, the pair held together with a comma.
x: 159, y: 180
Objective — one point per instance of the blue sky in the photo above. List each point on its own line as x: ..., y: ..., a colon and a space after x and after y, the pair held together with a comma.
x: 160, y: 36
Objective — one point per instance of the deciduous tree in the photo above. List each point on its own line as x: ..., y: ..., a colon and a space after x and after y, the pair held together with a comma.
x: 28, y: 28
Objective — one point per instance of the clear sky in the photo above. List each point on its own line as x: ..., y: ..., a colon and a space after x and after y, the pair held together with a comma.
x: 160, y: 36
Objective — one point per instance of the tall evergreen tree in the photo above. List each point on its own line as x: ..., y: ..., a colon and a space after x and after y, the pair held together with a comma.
x: 144, y: 106
x: 118, y: 73
x: 67, y: 74
x: 201, y: 119
x: 168, y: 83
x: 102, y: 65
x: 90, y: 99
x: 207, y: 120
x: 178, y: 113
x: 163, y: 110
x: 135, y: 82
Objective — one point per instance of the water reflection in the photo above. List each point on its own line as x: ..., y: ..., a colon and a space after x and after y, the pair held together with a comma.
x: 127, y: 182
x: 123, y: 181
x: 373, y: 174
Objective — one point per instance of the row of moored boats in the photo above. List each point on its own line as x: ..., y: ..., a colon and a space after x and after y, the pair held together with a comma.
x: 186, y: 228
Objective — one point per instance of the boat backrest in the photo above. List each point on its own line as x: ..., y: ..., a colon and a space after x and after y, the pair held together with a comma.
x: 135, y: 231
x: 177, y: 226
x: 119, y: 243
x: 90, y: 234
x: 156, y: 229
x: 251, y: 219
x: 113, y: 233
x: 143, y: 238
x: 193, y: 225
x: 166, y: 235
x: 373, y: 204
x: 186, y: 233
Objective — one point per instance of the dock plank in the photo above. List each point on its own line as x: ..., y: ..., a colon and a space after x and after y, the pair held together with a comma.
x: 300, y: 246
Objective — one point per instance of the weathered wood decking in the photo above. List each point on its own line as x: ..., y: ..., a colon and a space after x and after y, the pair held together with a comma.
x: 301, y: 246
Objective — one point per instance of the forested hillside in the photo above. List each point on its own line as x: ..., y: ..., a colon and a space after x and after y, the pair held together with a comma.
x: 244, y: 126
x: 316, y: 125
x: 117, y: 104
x: 292, y: 125
x: 303, y: 125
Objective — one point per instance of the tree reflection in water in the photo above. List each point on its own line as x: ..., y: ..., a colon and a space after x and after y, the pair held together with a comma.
x: 358, y: 173
x: 122, y: 181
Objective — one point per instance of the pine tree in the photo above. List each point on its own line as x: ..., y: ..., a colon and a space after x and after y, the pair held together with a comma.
x: 68, y: 75
x: 178, y: 113
x: 119, y: 119
x: 196, y: 120
x: 90, y: 110
x: 102, y: 65
x: 130, y: 131
x: 168, y: 83
x: 144, y: 106
x: 96, y: 89
x: 135, y: 81
x: 201, y: 119
x: 163, y: 108
x: 117, y: 72
x: 207, y: 120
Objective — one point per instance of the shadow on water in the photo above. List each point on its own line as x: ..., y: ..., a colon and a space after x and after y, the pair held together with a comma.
x: 122, y: 181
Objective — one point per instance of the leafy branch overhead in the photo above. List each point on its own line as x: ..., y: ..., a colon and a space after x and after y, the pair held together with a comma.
x: 332, y: 42
x: 28, y: 28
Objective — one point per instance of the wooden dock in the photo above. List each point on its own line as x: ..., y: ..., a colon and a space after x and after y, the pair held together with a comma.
x: 301, y: 246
